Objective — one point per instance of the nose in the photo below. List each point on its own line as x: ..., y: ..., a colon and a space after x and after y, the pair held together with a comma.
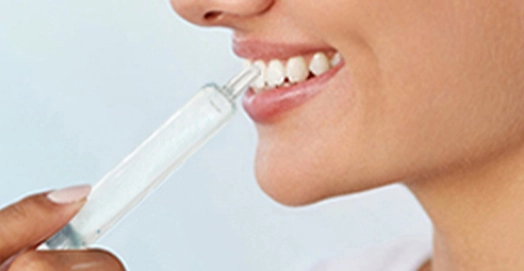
x: 219, y: 12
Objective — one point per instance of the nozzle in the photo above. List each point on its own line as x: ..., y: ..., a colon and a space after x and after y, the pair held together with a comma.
x: 238, y: 84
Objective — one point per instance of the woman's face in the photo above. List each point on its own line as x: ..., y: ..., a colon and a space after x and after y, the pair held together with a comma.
x: 425, y: 88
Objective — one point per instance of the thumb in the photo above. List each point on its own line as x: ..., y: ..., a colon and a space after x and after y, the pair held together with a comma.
x: 36, y: 218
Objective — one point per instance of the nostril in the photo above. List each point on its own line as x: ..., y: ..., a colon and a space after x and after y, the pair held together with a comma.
x: 212, y: 15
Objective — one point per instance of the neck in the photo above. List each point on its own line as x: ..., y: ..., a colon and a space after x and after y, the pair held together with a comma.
x: 478, y: 215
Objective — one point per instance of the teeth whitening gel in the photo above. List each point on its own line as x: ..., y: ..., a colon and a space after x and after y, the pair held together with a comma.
x: 153, y: 161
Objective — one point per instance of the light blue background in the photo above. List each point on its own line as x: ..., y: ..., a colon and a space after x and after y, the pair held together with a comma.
x: 83, y: 82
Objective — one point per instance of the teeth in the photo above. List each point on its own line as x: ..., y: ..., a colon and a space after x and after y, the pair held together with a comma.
x: 319, y: 64
x: 295, y: 70
x: 337, y: 58
x: 246, y: 64
x: 275, y: 74
x: 260, y: 83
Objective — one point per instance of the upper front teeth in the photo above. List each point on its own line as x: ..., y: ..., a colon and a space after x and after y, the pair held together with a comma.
x: 260, y: 82
x: 275, y: 74
x: 295, y: 70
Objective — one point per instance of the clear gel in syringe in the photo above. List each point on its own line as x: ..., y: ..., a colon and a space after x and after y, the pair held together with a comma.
x: 153, y: 161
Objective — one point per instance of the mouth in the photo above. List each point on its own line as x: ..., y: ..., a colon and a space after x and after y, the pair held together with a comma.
x: 290, y: 75
x: 293, y: 71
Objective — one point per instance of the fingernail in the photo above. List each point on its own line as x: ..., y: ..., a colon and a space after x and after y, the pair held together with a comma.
x: 69, y: 195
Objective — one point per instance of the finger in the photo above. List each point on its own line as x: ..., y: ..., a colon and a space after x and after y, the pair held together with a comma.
x: 87, y: 260
x: 32, y: 220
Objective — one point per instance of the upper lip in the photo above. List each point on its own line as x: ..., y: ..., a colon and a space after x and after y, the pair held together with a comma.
x: 264, y: 50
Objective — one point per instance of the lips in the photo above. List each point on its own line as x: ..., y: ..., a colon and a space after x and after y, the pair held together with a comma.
x: 291, y: 75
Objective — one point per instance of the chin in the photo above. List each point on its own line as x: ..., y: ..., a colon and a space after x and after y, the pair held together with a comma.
x: 287, y: 188
x: 300, y: 179
x: 295, y: 175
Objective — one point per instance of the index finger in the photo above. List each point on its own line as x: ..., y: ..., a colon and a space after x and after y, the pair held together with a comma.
x: 85, y: 260
x: 35, y: 218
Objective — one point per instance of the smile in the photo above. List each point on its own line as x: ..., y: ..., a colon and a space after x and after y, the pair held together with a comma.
x: 295, y: 70
x: 290, y: 76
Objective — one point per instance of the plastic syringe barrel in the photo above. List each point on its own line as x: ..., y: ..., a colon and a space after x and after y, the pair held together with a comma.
x: 146, y: 167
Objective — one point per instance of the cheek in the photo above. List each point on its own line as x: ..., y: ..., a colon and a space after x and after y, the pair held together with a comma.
x: 452, y: 80
x: 437, y: 85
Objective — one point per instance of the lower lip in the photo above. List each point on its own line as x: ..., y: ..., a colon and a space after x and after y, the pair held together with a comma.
x: 269, y: 105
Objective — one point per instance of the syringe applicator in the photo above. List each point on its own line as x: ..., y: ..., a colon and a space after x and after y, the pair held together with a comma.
x: 153, y: 161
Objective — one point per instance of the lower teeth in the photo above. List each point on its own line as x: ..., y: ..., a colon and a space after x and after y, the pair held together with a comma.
x: 285, y: 84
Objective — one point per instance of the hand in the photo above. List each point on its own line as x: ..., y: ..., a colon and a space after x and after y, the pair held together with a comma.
x: 26, y: 224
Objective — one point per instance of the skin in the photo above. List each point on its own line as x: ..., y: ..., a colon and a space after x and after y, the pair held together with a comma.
x: 431, y: 96
x: 29, y: 222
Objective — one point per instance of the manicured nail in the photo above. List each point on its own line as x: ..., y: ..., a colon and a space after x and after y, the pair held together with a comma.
x: 69, y: 195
